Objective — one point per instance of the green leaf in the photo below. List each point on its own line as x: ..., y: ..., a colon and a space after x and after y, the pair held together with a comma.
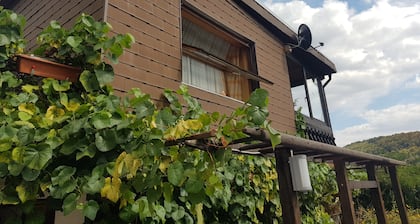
x: 178, y: 214
x: 62, y: 174
x: 176, y: 173
x: 55, y: 25
x: 90, y: 209
x: 4, y: 40
x: 106, y: 140
x: 15, y: 168
x: 37, y: 158
x: 5, y: 145
x: 30, y: 174
x: 256, y: 115
x: 275, y: 136
x: 194, y: 185
x: 153, y: 194
x: 25, y: 135
x: 127, y: 214
x: 74, y: 41
x: 73, y: 144
x: 94, y: 184
x: 61, y: 190
x: 168, y: 190
x: 165, y: 118
x: 104, y: 74
x: 259, y: 98
x: 101, y: 119
x: 89, y: 81
x: 3, y: 170
x: 160, y: 212
x: 60, y: 86
x: 144, y: 209
x: 88, y: 151
x: 69, y: 203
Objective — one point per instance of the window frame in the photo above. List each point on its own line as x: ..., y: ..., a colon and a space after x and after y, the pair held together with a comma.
x: 296, y: 67
x: 207, y: 23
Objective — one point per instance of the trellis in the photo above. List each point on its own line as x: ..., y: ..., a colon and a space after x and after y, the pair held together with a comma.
x: 258, y: 143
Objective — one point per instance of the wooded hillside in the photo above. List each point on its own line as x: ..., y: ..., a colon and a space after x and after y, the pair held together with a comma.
x: 404, y: 147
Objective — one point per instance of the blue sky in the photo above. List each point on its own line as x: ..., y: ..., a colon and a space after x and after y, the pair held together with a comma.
x: 375, y: 45
x: 355, y: 4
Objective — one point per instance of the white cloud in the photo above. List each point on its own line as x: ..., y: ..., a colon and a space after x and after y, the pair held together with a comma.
x: 398, y: 118
x: 375, y: 51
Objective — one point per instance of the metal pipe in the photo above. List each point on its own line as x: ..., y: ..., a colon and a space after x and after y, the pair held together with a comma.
x: 328, y: 81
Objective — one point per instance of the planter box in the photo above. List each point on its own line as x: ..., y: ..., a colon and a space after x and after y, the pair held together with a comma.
x: 42, y: 67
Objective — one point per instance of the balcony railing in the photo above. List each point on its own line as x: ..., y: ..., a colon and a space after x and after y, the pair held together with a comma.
x: 319, y: 131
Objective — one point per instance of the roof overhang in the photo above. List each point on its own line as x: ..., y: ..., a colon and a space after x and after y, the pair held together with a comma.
x: 312, y: 58
x: 8, y: 4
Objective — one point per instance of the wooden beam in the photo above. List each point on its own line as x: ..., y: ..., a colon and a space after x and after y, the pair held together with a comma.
x: 376, y: 195
x: 297, y: 144
x: 355, y: 184
x: 344, y: 193
x: 288, y: 197
x: 398, y: 194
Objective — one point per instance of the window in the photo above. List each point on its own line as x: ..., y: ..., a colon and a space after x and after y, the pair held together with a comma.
x: 215, y: 59
x: 306, y: 90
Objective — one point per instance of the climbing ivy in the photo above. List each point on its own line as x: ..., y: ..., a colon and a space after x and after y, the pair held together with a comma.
x: 61, y: 144
x: 72, y: 147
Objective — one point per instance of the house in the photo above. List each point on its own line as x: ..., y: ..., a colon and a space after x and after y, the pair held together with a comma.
x: 248, y: 49
x: 221, y: 49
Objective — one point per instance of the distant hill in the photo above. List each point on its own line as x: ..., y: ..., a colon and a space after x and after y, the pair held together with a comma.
x: 402, y: 146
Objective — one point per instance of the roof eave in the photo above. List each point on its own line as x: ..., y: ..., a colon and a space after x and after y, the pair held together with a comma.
x: 286, y: 34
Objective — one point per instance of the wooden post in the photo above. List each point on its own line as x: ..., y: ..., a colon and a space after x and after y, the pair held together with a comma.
x: 344, y: 193
x: 288, y: 198
x: 399, y: 198
x: 376, y: 194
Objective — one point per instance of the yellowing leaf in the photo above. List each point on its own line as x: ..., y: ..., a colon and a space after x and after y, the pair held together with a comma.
x: 54, y: 112
x: 199, y: 213
x: 17, y: 154
x: 72, y: 106
x: 24, y: 123
x: 193, y: 124
x: 44, y: 186
x: 126, y: 165
x: 260, y: 205
x: 111, y: 189
x: 164, y: 165
x: 29, y: 88
x: 26, y: 191
x: 28, y: 108
x: 183, y: 128
x: 119, y: 165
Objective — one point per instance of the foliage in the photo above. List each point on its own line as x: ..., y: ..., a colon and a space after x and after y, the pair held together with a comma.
x: 11, y: 41
x: 84, y: 45
x: 404, y: 147
x: 368, y: 216
x: 320, y: 204
x: 62, y: 143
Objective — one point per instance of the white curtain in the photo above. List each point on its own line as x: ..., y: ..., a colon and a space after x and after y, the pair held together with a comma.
x: 195, y: 72
x: 201, y: 75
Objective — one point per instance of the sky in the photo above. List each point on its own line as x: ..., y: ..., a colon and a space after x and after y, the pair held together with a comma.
x: 375, y: 46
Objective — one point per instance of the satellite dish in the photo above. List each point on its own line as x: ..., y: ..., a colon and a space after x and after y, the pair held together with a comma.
x: 304, y: 37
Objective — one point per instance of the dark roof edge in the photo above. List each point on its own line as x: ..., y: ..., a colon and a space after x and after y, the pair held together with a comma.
x: 8, y: 4
x: 279, y: 29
